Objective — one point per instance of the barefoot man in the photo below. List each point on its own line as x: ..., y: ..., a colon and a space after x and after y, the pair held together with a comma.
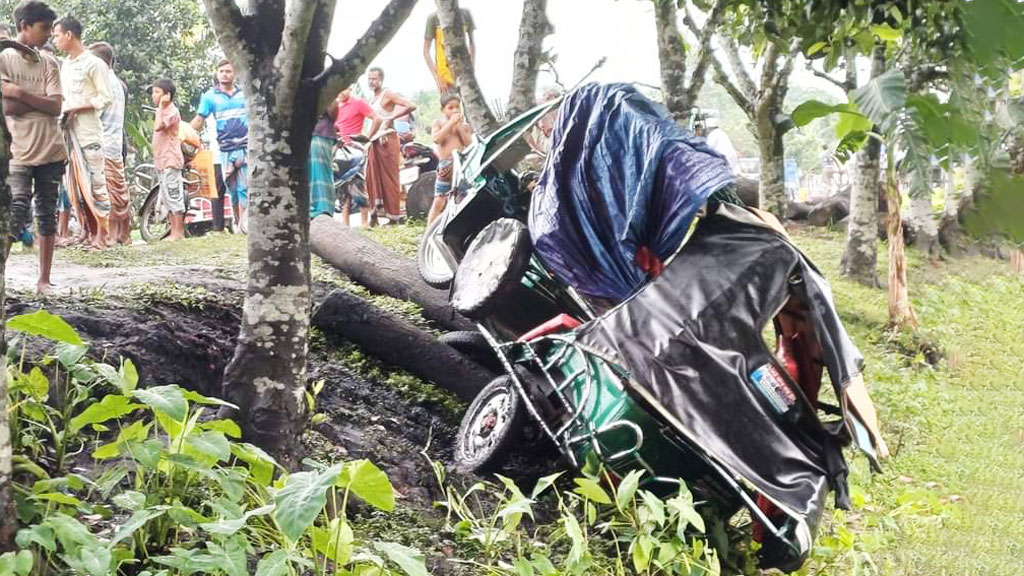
x: 32, y: 102
x: 450, y: 133
x: 85, y: 84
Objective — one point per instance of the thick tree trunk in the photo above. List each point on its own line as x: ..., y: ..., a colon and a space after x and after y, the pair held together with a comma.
x: 533, y: 28
x: 921, y: 220
x: 860, y: 257
x: 381, y: 270
x: 901, y: 313
x: 267, y: 375
x: 8, y: 515
x: 672, y: 57
x: 771, y: 192
x: 474, y: 103
x: 394, y: 341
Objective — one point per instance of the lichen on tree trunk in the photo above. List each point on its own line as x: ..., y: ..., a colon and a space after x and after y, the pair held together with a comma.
x: 672, y: 57
x: 771, y: 192
x: 266, y: 377
x: 860, y: 257
x: 532, y: 30
x: 921, y: 218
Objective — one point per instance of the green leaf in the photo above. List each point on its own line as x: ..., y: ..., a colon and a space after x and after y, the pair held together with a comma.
x: 58, y: 498
x: 410, y: 560
x: 129, y: 377
x: 590, y: 489
x: 69, y: 354
x: 130, y: 500
x: 229, y: 556
x: 139, y: 519
x: 303, y: 497
x: 815, y: 48
x: 49, y: 326
x: 23, y: 562
x: 627, y: 489
x: 196, y: 397
x: 370, y: 483
x: 274, y: 564
x: 167, y: 399
x: 41, y: 535
x: 212, y: 444
x: 850, y: 121
x: 147, y: 453
x: 882, y: 98
x: 886, y: 33
x: 642, y: 549
x: 226, y: 527
x: 654, y: 506
x: 261, y: 464
x: 811, y: 110
x: 226, y: 427
x: 334, y: 542
x: 543, y: 484
x: 110, y: 407
x: 36, y: 383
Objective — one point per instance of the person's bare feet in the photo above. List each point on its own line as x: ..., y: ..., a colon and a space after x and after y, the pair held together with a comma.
x: 43, y: 288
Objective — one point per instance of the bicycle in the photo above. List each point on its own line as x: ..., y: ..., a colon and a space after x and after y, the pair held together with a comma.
x: 153, y: 222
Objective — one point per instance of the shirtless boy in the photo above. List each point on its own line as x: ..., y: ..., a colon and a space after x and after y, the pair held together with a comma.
x: 450, y: 133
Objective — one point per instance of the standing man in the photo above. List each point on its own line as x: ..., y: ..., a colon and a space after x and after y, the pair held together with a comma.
x: 32, y: 102
x: 433, y: 37
x: 112, y: 120
x: 227, y: 103
x: 385, y: 159
x: 85, y: 84
x: 350, y: 117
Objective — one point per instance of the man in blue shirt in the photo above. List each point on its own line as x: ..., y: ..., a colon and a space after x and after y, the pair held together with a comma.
x: 227, y: 104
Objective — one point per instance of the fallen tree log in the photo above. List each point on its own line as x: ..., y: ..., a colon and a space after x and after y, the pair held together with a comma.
x: 380, y: 270
x: 392, y: 340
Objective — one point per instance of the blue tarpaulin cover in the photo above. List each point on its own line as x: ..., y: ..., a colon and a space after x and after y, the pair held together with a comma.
x: 621, y: 177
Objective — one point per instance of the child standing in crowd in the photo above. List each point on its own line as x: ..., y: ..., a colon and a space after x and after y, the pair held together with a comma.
x: 167, y: 156
x: 450, y: 132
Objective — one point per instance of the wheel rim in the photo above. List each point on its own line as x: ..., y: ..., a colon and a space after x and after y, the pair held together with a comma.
x: 433, y: 256
x: 488, y: 426
x: 155, y: 222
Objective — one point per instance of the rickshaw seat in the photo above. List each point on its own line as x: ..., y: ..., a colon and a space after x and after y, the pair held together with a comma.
x: 556, y: 324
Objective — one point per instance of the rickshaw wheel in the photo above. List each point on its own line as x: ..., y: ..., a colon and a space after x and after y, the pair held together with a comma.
x: 492, y: 425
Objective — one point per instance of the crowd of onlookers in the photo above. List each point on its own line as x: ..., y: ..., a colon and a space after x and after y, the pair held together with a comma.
x: 66, y: 119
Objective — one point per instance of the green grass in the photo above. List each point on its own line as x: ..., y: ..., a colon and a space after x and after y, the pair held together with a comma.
x: 222, y: 250
x: 950, y: 499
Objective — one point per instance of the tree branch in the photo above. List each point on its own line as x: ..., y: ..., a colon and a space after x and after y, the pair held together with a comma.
x: 230, y: 27
x: 742, y: 100
x: 345, y: 71
x: 291, y: 55
x: 704, y: 55
x: 532, y: 30
x: 841, y: 84
x: 739, y: 69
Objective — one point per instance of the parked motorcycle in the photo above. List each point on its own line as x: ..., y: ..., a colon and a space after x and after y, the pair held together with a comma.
x: 418, y: 175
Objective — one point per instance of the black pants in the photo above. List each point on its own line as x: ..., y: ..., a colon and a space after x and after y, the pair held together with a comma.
x: 218, y: 203
x: 41, y: 182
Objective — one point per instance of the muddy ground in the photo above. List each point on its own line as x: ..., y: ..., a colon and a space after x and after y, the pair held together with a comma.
x: 184, y: 333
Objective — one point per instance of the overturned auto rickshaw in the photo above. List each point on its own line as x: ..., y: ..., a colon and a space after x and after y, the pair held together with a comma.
x: 626, y: 295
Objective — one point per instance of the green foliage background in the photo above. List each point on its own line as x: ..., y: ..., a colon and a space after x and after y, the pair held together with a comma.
x: 151, y: 38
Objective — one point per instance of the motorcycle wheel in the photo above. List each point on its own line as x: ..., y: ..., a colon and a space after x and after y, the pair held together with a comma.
x: 492, y: 425
x: 421, y: 196
x: 432, y: 259
x: 474, y: 346
x: 153, y: 222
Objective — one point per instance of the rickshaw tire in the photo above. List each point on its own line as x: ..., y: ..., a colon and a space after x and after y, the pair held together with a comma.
x: 474, y: 346
x: 510, y: 434
x: 432, y: 277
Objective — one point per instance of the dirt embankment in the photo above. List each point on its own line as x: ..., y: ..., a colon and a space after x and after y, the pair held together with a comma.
x: 191, y: 343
